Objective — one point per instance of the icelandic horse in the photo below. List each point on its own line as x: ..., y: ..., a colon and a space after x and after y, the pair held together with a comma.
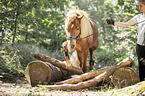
x: 82, y: 36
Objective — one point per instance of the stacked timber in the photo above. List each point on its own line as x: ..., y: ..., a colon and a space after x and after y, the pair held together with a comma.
x: 39, y: 72
x: 51, y: 69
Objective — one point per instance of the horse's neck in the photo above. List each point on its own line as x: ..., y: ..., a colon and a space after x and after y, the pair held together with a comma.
x: 86, y: 42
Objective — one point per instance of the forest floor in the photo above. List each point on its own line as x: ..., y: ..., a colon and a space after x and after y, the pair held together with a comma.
x: 22, y: 88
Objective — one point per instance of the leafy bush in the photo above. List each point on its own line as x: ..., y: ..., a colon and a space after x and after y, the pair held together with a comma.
x: 15, y: 59
x: 106, y: 57
x: 9, y: 61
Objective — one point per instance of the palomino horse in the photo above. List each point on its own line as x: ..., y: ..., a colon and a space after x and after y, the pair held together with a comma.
x: 82, y: 36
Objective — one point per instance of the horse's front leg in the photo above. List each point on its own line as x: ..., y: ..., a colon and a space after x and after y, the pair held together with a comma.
x: 84, y: 61
x: 66, y: 53
x: 91, y: 63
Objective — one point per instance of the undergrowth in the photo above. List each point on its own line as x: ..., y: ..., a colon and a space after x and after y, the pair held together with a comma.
x: 14, y: 59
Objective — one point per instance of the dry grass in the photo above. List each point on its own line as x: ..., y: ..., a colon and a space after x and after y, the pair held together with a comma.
x: 7, y: 89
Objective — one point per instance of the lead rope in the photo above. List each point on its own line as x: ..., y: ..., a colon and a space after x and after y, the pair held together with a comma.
x: 129, y: 25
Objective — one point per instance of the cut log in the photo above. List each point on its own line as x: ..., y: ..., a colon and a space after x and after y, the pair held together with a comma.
x: 38, y: 72
x: 124, y: 76
x: 92, y: 74
x: 93, y: 81
x: 84, y: 76
x: 77, y: 86
x: 58, y: 63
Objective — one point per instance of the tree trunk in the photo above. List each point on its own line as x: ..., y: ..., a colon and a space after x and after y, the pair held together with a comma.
x: 80, y: 78
x: 124, y: 76
x: 38, y: 72
x: 17, y: 15
x: 2, y: 36
x: 59, y: 64
x: 93, y: 81
x: 92, y: 74
x: 26, y: 32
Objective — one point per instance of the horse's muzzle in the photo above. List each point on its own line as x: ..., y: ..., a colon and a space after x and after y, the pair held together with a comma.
x: 73, y: 46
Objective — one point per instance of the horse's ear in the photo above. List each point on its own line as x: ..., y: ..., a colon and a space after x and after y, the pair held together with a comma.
x: 80, y: 17
x: 64, y: 15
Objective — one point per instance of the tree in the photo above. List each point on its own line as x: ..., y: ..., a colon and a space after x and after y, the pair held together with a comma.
x: 16, y: 19
x: 31, y: 20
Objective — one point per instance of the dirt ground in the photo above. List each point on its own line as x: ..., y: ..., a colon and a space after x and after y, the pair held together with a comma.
x: 12, y: 89
x: 10, y: 86
x: 23, y: 88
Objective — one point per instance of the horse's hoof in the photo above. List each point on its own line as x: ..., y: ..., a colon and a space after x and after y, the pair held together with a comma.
x: 91, y: 64
x: 91, y: 67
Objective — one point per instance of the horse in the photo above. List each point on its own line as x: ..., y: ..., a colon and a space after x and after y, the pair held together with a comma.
x: 82, y: 36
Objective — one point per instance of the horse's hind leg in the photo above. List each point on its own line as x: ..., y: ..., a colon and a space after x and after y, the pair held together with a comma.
x: 91, y: 63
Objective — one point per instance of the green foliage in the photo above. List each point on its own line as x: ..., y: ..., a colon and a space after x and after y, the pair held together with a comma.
x: 115, y: 43
x: 9, y: 60
x: 13, y: 60
x: 39, y: 26
x: 108, y: 57
x: 36, y: 20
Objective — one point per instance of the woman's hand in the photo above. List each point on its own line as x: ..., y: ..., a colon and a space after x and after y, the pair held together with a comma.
x: 109, y: 21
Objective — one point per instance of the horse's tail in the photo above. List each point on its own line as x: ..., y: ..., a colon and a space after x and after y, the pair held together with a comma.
x: 74, y: 59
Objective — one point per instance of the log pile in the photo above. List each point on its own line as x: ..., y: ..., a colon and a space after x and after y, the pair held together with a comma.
x: 124, y: 76
x: 58, y: 63
x: 39, y: 72
x: 121, y: 73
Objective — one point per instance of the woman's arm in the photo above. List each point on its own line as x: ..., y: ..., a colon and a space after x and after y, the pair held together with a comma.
x: 124, y: 24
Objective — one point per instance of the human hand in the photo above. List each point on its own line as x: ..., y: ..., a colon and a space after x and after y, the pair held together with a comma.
x: 109, y: 21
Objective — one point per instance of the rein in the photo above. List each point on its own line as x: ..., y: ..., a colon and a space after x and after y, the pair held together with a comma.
x: 75, y: 38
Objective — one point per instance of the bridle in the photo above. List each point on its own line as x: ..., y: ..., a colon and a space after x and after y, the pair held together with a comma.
x: 76, y: 38
x: 73, y: 37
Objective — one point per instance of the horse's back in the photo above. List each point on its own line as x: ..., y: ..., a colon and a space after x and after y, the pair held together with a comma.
x: 95, y: 33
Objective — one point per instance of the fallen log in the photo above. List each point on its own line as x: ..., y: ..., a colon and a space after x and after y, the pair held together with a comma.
x: 124, y: 76
x: 58, y: 63
x: 38, y: 72
x: 90, y: 82
x: 77, y: 86
x: 84, y: 76
x: 92, y: 74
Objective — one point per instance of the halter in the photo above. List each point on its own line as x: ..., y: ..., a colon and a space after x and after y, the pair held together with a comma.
x: 73, y: 37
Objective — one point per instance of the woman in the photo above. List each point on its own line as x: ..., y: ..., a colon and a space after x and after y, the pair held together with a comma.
x: 140, y: 47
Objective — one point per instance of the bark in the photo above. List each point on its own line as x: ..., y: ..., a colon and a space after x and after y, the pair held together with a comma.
x: 93, y: 81
x: 16, y: 21
x: 38, y: 72
x: 124, y: 76
x: 92, y: 74
x: 84, y: 76
x: 2, y: 36
x: 58, y: 63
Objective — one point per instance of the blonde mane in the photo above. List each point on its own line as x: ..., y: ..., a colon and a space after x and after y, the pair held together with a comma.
x: 86, y: 28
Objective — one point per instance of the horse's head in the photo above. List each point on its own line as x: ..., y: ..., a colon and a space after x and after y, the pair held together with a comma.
x: 73, y: 30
